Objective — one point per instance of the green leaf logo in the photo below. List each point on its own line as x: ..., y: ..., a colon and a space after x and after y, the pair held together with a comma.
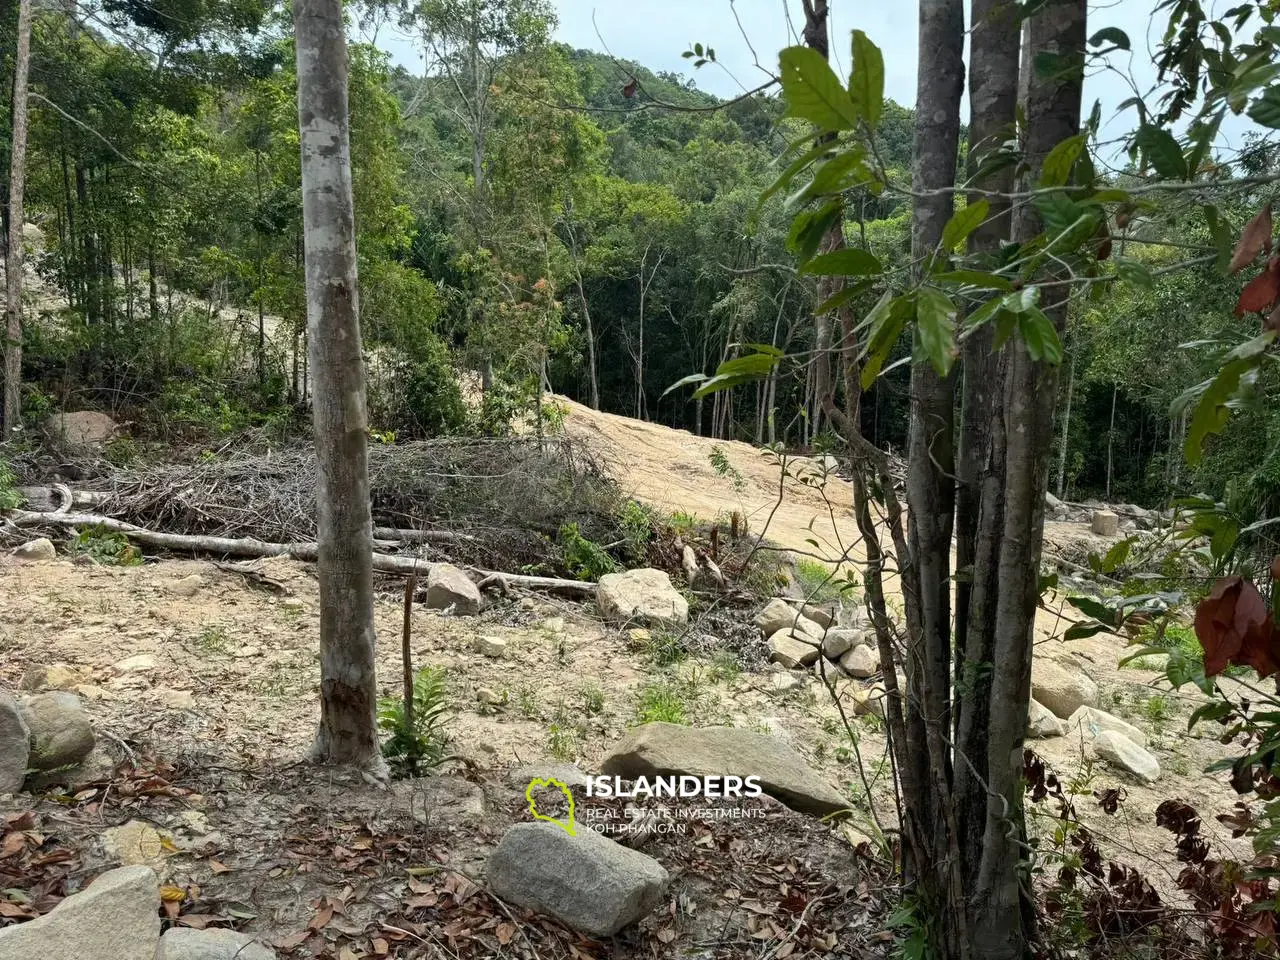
x: 536, y: 784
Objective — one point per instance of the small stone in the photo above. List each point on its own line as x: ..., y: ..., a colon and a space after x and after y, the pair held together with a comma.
x: 784, y: 681
x: 448, y: 586
x: 185, y: 943
x: 494, y: 647
x: 839, y: 641
x: 861, y: 662
x: 1105, y: 523
x: 246, y: 652
x: 779, y: 615
x: 142, y: 663
x: 174, y: 699
x: 88, y: 691
x: 116, y: 917
x: 186, y: 587
x: 56, y: 676
x: 587, y: 881
x: 1090, y: 721
x: 1119, y: 750
x: 134, y: 843
x: 787, y: 650
x: 489, y: 696
x: 293, y: 603
x: 60, y: 730
x: 34, y: 550
x: 1042, y: 723
x: 869, y: 702
x: 553, y: 624
x: 15, y: 745
x: 823, y: 616
x: 644, y: 596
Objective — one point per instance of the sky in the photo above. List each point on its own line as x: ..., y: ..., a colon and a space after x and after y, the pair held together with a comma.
x: 655, y: 33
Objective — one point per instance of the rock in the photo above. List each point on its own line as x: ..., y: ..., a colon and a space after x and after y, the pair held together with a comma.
x: 174, y: 699
x: 186, y: 587
x: 40, y: 549
x: 1062, y: 688
x: 248, y: 651
x: 823, y: 616
x: 1090, y: 721
x: 142, y: 663
x: 60, y: 731
x: 87, y: 691
x: 293, y: 603
x: 779, y: 615
x: 81, y: 429
x: 840, y: 641
x: 665, y: 749
x: 97, y: 766
x: 567, y: 773
x: 1053, y: 503
x: 868, y: 702
x: 861, y: 662
x: 117, y: 917
x: 553, y: 624
x: 774, y: 727
x: 645, y: 595
x: 134, y: 843
x: 448, y: 586
x: 55, y: 676
x: 439, y: 799
x: 494, y: 647
x: 1119, y: 750
x: 489, y: 696
x: 1105, y: 523
x: 786, y: 649
x: 1042, y: 723
x: 15, y: 745
x: 785, y: 681
x: 586, y: 881
x: 184, y: 943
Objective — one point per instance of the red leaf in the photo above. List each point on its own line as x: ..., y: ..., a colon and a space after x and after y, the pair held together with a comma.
x: 1255, y: 236
x: 1232, y: 613
x: 629, y: 90
x: 1272, y: 322
x: 1261, y: 292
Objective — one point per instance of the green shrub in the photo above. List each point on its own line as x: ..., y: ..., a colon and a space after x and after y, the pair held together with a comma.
x: 584, y: 558
x: 109, y: 549
x: 10, y: 498
x: 411, y: 749
x: 661, y: 702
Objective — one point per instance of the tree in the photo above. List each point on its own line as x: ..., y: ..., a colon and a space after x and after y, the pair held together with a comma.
x: 348, y: 688
x: 13, y: 253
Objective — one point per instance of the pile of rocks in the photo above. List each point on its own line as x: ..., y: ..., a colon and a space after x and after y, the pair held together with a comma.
x: 1105, y: 520
x: 797, y: 635
x: 118, y: 917
x: 1065, y: 704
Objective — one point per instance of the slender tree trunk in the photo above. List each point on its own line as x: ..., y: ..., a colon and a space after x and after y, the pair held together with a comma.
x: 348, y: 687
x: 817, y: 38
x: 1061, y: 484
x: 1111, y: 438
x: 593, y: 379
x: 262, y: 320
x: 13, y: 258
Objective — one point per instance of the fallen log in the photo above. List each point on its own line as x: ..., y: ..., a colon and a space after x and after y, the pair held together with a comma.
x: 249, y: 547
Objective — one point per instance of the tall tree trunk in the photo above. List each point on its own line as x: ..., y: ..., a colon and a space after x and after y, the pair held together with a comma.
x: 993, y: 101
x: 348, y: 688
x: 1001, y: 916
x: 13, y: 255
x: 817, y: 38
x: 1061, y: 484
x: 931, y: 483
x: 1111, y: 438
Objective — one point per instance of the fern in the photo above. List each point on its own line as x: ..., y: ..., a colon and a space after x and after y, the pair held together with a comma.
x: 422, y: 747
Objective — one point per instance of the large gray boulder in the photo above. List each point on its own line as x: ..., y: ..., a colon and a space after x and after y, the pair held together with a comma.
x: 15, y: 745
x: 667, y: 749
x: 644, y: 596
x: 1042, y: 723
x: 1063, y: 688
x: 60, y: 731
x: 780, y: 615
x: 1088, y: 722
x: 586, y: 881
x: 184, y: 943
x: 41, y: 548
x: 117, y: 917
x: 861, y: 662
x: 1119, y: 751
x: 793, y: 651
x: 448, y: 586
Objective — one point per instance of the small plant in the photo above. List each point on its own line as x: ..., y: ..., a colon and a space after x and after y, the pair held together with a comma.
x: 636, y: 521
x: 663, y: 648
x: 584, y: 558
x: 526, y: 698
x: 213, y: 639
x: 592, y: 695
x: 661, y: 702
x: 122, y: 451
x: 10, y: 498
x: 1157, y: 710
x: 104, y: 547
x: 420, y: 747
x: 820, y: 585
x: 562, y: 742
x: 725, y: 667
x: 726, y: 470
x: 682, y: 524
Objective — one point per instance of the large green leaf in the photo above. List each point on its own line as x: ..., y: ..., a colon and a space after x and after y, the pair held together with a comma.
x: 1057, y: 210
x: 745, y: 369
x: 1134, y: 271
x: 841, y: 297
x: 936, y: 328
x: 866, y: 83
x: 1113, y: 35
x: 1211, y: 412
x: 849, y: 262
x: 685, y: 381
x: 808, y: 227
x: 792, y: 170
x: 964, y: 222
x: 887, y: 320
x: 1265, y: 110
x: 813, y: 92
x: 1162, y: 152
x: 1056, y: 171
x: 975, y: 278
x: 1039, y: 336
x: 845, y: 170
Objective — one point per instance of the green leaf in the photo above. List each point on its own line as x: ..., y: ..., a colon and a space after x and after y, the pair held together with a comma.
x: 1202, y: 136
x: 1081, y: 631
x: 866, y: 83
x: 887, y: 320
x: 936, y: 328
x: 1135, y: 272
x: 792, y: 171
x: 1056, y: 171
x: 849, y: 262
x: 684, y: 382
x: 1162, y: 152
x: 962, y: 223
x: 766, y: 348
x: 809, y: 227
x: 1112, y: 35
x: 1039, y: 336
x: 749, y: 364
x: 839, y: 299
x: 1265, y: 110
x: 1057, y: 210
x: 718, y: 383
x: 1093, y: 608
x: 1223, y: 239
x: 1211, y: 412
x: 846, y: 169
x: 813, y: 92
x: 1117, y: 555
x: 975, y: 278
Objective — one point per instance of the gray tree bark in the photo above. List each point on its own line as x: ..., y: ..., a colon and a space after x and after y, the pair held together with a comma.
x: 348, y: 688
x: 13, y: 251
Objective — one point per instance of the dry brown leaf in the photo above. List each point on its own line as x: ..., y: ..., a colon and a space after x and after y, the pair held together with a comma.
x: 505, y: 932
x: 8, y: 909
x: 786, y: 950
x: 323, y: 915
x: 380, y: 947
x: 171, y: 908
x: 1260, y: 292
x: 665, y: 935
x: 346, y: 953
x: 1255, y: 236
x: 217, y: 866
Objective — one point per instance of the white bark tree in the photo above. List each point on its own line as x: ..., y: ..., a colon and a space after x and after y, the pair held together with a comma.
x: 348, y: 689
